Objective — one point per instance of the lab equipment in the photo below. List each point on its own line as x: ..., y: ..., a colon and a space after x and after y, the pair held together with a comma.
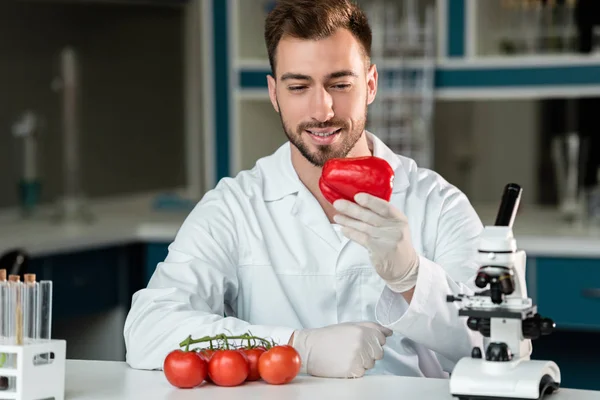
x: 404, y: 50
x: 30, y: 307
x: 72, y: 206
x: 15, y: 262
x: 534, y: 26
x: 44, y: 321
x: 593, y: 202
x: 567, y: 155
x: 506, y: 317
x: 25, y: 343
x: 26, y: 131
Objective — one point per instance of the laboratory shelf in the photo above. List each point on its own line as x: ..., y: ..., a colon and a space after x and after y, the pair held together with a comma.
x: 534, y: 77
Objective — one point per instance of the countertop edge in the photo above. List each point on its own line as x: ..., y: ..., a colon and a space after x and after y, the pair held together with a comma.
x: 132, y: 219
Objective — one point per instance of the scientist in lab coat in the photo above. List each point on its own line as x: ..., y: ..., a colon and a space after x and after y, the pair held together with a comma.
x: 355, y: 287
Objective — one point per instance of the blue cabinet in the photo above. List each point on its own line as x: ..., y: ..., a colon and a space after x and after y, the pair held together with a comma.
x: 86, y: 282
x: 567, y: 292
x: 154, y: 253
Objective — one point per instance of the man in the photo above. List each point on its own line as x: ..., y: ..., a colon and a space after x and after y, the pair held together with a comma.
x: 354, y: 287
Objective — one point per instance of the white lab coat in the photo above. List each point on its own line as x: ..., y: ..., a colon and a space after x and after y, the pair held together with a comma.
x: 260, y: 249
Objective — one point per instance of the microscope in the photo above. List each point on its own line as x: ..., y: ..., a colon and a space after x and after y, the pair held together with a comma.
x: 507, y: 319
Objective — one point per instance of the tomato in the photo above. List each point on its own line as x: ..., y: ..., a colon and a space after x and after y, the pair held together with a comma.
x: 228, y: 368
x: 279, y: 365
x: 207, y: 353
x: 185, y: 369
x: 253, y: 355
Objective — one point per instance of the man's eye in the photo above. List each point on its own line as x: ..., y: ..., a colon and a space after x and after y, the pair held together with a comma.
x: 342, y: 86
x: 296, y: 88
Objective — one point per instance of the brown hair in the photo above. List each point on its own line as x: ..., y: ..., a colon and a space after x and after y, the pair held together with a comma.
x: 313, y: 20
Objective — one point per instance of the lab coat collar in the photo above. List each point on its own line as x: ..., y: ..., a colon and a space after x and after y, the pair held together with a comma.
x: 381, y: 150
x: 281, y: 179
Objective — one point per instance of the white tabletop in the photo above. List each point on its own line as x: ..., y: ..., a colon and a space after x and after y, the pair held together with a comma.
x: 106, y: 380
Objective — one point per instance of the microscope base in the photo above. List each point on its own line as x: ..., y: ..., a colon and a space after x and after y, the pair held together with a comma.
x: 478, y: 379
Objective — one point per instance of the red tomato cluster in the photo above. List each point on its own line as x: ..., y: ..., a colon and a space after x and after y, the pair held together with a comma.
x: 232, y: 367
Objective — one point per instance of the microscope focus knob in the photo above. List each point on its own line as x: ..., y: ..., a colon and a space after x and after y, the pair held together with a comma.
x: 473, y: 323
x: 482, y: 280
x: 536, y: 326
x: 498, y: 352
x: 547, y: 326
x: 481, y: 325
x: 476, y: 352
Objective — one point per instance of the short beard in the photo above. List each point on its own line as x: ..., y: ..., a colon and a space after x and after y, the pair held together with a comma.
x: 325, y: 152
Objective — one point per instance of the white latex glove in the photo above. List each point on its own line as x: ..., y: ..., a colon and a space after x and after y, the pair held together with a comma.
x: 343, y: 350
x: 383, y: 230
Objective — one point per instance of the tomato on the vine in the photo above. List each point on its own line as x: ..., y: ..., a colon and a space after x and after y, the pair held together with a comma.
x: 228, y: 368
x: 185, y: 369
x: 253, y: 355
x: 207, y: 353
x: 279, y: 365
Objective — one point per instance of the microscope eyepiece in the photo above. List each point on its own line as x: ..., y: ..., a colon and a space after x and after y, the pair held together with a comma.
x: 511, y: 197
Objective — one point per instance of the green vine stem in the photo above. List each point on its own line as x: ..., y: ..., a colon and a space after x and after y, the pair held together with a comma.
x: 186, y: 343
x: 225, y: 340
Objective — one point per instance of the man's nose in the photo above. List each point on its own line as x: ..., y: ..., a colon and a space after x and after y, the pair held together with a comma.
x: 322, y: 105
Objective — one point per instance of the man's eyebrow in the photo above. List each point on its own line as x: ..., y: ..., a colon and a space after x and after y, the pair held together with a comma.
x: 291, y: 75
x: 342, y: 74
x: 333, y: 75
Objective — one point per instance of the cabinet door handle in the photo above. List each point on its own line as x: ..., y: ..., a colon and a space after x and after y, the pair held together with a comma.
x: 591, y: 293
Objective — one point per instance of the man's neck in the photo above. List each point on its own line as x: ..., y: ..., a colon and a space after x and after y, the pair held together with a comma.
x: 309, y: 174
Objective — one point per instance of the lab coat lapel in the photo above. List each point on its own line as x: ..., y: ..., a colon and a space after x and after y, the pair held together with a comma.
x: 310, y: 212
x: 281, y: 180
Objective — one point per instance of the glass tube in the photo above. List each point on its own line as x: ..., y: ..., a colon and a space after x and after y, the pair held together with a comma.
x: 30, y: 308
x: 45, y: 314
x: 4, y: 333
x: 14, y: 309
x: 15, y: 322
x: 3, y: 306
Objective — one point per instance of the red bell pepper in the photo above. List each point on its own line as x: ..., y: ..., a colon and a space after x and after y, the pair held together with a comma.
x: 343, y: 178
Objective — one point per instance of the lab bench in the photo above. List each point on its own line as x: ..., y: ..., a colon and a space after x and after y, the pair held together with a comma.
x: 96, y: 269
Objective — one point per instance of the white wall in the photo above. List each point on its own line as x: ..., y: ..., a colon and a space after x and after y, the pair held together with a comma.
x: 482, y: 145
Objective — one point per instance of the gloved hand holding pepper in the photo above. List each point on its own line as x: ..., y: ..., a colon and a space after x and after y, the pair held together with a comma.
x: 383, y: 230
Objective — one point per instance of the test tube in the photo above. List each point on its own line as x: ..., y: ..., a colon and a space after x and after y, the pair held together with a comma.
x: 30, y: 308
x: 15, y: 313
x: 15, y: 322
x: 4, y: 333
x: 3, y: 308
x: 45, y: 314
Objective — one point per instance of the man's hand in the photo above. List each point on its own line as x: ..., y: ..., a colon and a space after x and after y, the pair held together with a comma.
x: 383, y: 230
x: 344, y: 350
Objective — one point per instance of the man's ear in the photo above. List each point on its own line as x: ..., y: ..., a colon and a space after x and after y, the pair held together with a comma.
x: 273, y: 92
x: 372, y: 79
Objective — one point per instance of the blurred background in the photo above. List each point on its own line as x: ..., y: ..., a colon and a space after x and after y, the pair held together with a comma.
x: 117, y: 115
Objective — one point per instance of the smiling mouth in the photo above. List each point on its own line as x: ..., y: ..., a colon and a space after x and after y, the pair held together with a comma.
x: 324, y: 134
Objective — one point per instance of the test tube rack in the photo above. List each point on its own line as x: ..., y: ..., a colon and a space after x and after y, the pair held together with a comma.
x: 35, y: 380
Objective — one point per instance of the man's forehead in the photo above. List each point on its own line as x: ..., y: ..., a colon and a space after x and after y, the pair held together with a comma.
x: 318, y: 58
